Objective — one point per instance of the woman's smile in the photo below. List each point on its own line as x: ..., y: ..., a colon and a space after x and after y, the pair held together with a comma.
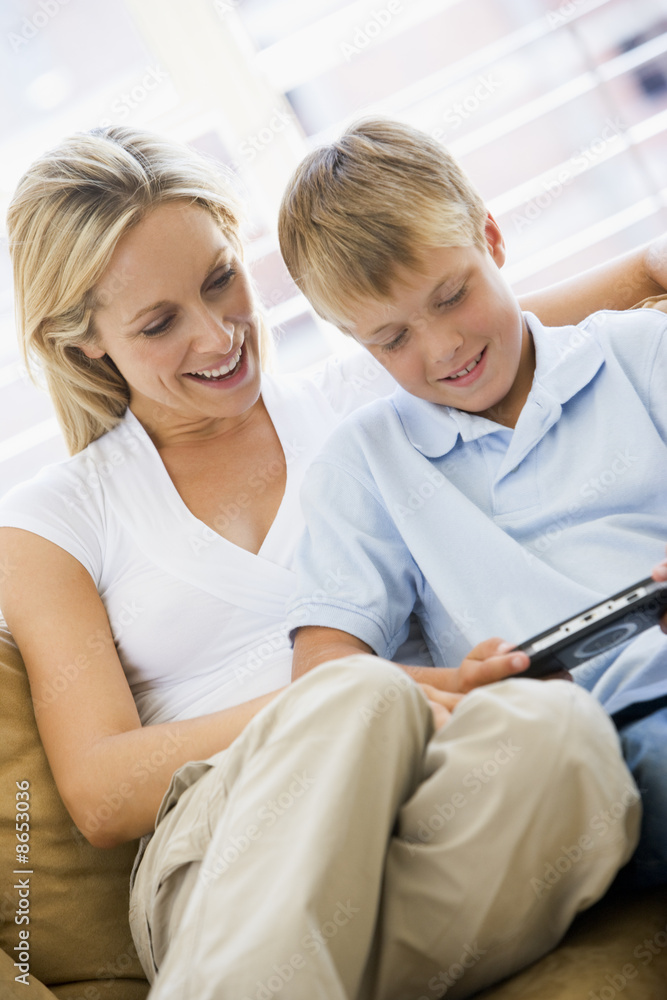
x: 223, y: 373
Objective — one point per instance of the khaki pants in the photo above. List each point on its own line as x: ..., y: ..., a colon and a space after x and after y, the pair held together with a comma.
x: 339, y: 849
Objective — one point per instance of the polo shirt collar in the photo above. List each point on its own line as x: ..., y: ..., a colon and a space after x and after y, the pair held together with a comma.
x: 566, y: 359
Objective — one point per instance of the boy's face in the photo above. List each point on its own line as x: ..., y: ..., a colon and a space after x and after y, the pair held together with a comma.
x: 455, y: 313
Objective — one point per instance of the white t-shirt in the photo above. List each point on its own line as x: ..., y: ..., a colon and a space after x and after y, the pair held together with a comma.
x: 199, y: 623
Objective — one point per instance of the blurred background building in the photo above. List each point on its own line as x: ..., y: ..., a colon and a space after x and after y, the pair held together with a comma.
x: 557, y: 109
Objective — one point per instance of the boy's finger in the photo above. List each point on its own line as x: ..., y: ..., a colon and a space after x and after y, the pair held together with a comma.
x: 440, y: 715
x: 495, y: 668
x: 448, y: 699
x: 488, y: 648
x: 660, y: 571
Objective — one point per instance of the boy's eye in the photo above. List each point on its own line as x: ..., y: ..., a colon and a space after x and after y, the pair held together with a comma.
x: 392, y: 345
x: 396, y: 342
x: 455, y: 298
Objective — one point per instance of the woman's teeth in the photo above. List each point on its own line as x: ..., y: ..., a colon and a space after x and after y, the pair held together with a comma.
x: 223, y: 370
x: 464, y: 371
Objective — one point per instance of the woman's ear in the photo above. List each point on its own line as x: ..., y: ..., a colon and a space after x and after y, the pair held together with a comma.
x: 494, y: 240
x: 91, y: 351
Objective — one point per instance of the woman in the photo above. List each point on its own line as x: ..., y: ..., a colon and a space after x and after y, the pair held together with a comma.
x: 150, y: 573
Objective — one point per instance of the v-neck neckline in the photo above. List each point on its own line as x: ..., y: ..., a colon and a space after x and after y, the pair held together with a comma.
x: 180, y: 505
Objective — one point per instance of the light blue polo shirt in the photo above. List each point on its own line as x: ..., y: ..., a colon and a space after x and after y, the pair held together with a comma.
x: 484, y: 530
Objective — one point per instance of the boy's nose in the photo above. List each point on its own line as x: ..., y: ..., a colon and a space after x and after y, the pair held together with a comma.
x: 441, y: 346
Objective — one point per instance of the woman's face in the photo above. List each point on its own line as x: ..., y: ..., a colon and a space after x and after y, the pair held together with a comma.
x: 177, y: 317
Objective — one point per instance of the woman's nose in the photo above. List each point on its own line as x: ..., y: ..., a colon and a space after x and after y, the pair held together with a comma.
x: 213, y: 333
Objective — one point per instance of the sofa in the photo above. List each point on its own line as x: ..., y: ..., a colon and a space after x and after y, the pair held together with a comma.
x: 77, y: 896
x: 76, y: 899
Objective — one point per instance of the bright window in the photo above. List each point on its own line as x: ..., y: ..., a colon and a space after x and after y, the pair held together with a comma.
x: 557, y: 110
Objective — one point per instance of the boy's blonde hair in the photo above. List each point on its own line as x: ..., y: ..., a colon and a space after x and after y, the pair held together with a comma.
x: 65, y: 220
x: 360, y: 208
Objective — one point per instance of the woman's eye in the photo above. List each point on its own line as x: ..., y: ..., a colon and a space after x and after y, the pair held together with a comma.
x: 396, y: 342
x: 155, y: 331
x: 224, y: 278
x: 165, y: 324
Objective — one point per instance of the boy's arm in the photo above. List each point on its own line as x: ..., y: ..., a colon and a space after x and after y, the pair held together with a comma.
x: 490, y: 661
x: 355, y: 582
x: 315, y: 644
x: 617, y: 284
x: 356, y: 585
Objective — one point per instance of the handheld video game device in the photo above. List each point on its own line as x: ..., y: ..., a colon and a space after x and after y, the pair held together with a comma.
x: 596, y: 630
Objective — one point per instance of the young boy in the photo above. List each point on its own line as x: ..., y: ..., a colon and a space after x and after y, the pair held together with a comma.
x: 517, y: 475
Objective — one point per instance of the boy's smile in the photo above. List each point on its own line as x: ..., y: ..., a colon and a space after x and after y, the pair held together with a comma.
x: 452, y: 332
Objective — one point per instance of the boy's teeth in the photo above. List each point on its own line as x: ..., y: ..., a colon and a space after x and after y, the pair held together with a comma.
x: 469, y: 368
x: 223, y: 369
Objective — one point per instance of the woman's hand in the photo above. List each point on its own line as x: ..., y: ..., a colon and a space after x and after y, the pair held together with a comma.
x: 655, y: 257
x: 617, y: 284
x: 660, y: 573
x: 442, y: 703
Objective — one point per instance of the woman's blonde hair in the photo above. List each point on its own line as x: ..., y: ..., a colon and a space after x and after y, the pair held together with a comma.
x: 361, y: 207
x: 65, y: 220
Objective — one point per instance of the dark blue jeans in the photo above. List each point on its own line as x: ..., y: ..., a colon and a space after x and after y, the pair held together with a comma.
x: 643, y: 733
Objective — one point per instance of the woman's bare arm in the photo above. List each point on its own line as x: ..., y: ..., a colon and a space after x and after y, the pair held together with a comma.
x: 618, y: 284
x: 111, y: 771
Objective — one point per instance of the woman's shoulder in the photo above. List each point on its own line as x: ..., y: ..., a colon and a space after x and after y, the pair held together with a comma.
x: 75, y: 473
x: 65, y: 501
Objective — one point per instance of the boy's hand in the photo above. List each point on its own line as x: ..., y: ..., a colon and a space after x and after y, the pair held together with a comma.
x: 442, y: 703
x: 489, y: 661
x: 494, y: 659
x: 660, y: 573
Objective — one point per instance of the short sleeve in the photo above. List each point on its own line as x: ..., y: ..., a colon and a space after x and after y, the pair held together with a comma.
x: 353, y: 569
x: 63, y: 505
x: 638, y: 341
x: 658, y: 384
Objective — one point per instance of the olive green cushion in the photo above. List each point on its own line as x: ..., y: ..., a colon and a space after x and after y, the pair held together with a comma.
x: 11, y: 990
x: 97, y: 989
x: 618, y: 948
x: 78, y: 900
x: 102, y: 989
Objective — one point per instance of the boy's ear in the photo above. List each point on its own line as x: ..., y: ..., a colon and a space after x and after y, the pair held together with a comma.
x: 494, y: 240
